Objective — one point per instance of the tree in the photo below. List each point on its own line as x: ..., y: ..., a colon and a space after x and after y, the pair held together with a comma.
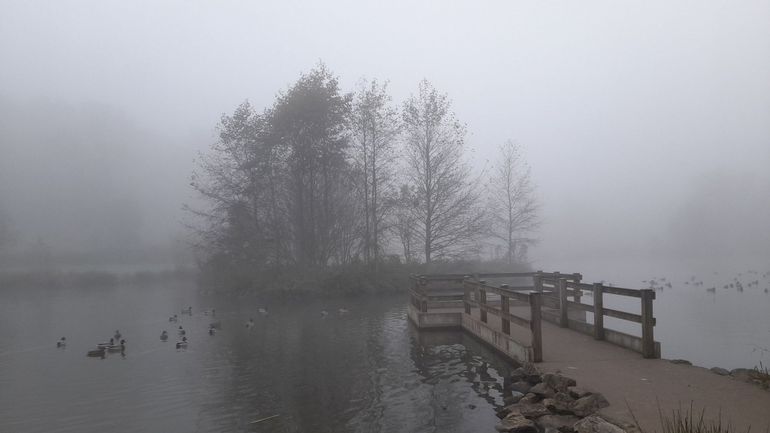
x: 309, y: 122
x: 404, y: 221
x: 448, y: 216
x: 513, y: 208
x: 375, y: 127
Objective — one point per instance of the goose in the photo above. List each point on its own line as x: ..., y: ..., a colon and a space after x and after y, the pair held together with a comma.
x: 343, y: 311
x: 182, y: 344
x: 250, y: 323
x: 324, y: 313
x: 163, y: 336
x: 212, y: 331
x: 173, y: 318
x: 62, y: 342
x: 262, y: 311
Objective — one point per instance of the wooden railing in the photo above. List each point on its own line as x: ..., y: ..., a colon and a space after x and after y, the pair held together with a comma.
x: 534, y: 324
x: 560, y: 290
x: 552, y: 290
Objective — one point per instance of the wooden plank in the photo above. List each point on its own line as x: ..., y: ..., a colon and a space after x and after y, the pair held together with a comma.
x: 508, y: 316
x: 622, y: 292
x: 631, y: 317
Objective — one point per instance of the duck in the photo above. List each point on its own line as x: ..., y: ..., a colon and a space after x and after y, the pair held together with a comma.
x: 96, y: 353
x: 212, y: 331
x: 217, y: 324
x: 262, y: 311
x: 343, y: 311
x: 173, y: 318
x: 117, y: 347
x: 62, y: 343
x: 250, y: 323
x: 163, y: 336
x: 324, y: 313
x: 106, y: 344
x: 181, y: 330
x: 182, y: 344
x: 187, y: 310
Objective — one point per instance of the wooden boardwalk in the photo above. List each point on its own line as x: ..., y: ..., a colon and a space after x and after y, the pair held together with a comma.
x: 547, y: 323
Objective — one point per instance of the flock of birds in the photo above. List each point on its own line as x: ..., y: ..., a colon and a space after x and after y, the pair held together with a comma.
x: 117, y: 344
x: 748, y: 279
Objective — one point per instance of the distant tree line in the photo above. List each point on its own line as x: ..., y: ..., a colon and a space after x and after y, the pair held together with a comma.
x: 324, y: 178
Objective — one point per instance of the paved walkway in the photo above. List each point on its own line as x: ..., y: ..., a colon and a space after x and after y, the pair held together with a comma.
x: 647, y: 385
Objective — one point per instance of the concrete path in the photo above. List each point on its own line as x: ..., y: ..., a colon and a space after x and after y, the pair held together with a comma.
x: 646, y: 385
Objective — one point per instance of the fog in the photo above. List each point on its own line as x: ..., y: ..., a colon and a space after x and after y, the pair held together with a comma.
x: 647, y: 125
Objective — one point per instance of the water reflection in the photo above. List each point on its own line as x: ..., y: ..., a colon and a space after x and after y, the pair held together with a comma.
x: 294, y: 370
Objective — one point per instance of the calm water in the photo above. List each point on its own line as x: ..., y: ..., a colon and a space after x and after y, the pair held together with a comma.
x: 364, y: 371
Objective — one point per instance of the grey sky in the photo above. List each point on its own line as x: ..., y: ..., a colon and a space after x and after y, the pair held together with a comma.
x: 626, y: 109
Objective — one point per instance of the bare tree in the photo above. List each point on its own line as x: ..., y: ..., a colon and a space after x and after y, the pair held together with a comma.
x: 513, y: 208
x: 448, y: 216
x: 404, y: 221
x: 375, y: 127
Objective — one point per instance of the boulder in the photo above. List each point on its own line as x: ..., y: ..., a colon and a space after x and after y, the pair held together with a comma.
x: 521, y: 386
x: 680, y: 361
x: 513, y: 398
x: 530, y: 398
x: 558, y: 382
x: 578, y: 392
x: 542, y: 390
x: 561, y: 403
x: 595, y: 424
x: 589, y: 404
x: 720, y: 371
x: 516, y: 423
x: 558, y: 423
x: 529, y: 410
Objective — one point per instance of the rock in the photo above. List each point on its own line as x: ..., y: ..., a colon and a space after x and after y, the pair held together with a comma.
x: 720, y: 371
x: 542, y: 390
x: 521, y: 386
x: 530, y: 398
x: 513, y: 398
x: 559, y: 423
x: 533, y: 379
x: 518, y: 374
x: 595, y: 424
x: 578, y: 392
x: 516, y: 423
x: 528, y: 410
x: 561, y: 403
x: 558, y: 382
x: 589, y: 404
x: 680, y: 361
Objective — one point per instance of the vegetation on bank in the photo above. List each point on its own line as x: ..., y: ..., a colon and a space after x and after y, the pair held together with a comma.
x: 55, y: 279
x: 342, y: 280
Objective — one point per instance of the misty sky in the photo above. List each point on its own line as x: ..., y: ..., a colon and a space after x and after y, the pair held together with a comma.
x: 647, y: 124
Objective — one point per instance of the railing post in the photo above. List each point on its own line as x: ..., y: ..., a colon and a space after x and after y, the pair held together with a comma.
x: 598, y: 311
x: 467, y: 296
x: 563, y: 313
x: 537, y: 281
x: 504, y: 307
x: 536, y: 326
x: 648, y: 339
x: 482, y: 305
x: 424, y: 304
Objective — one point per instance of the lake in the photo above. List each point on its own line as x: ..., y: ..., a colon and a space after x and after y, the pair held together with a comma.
x: 363, y: 371
x: 296, y: 369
